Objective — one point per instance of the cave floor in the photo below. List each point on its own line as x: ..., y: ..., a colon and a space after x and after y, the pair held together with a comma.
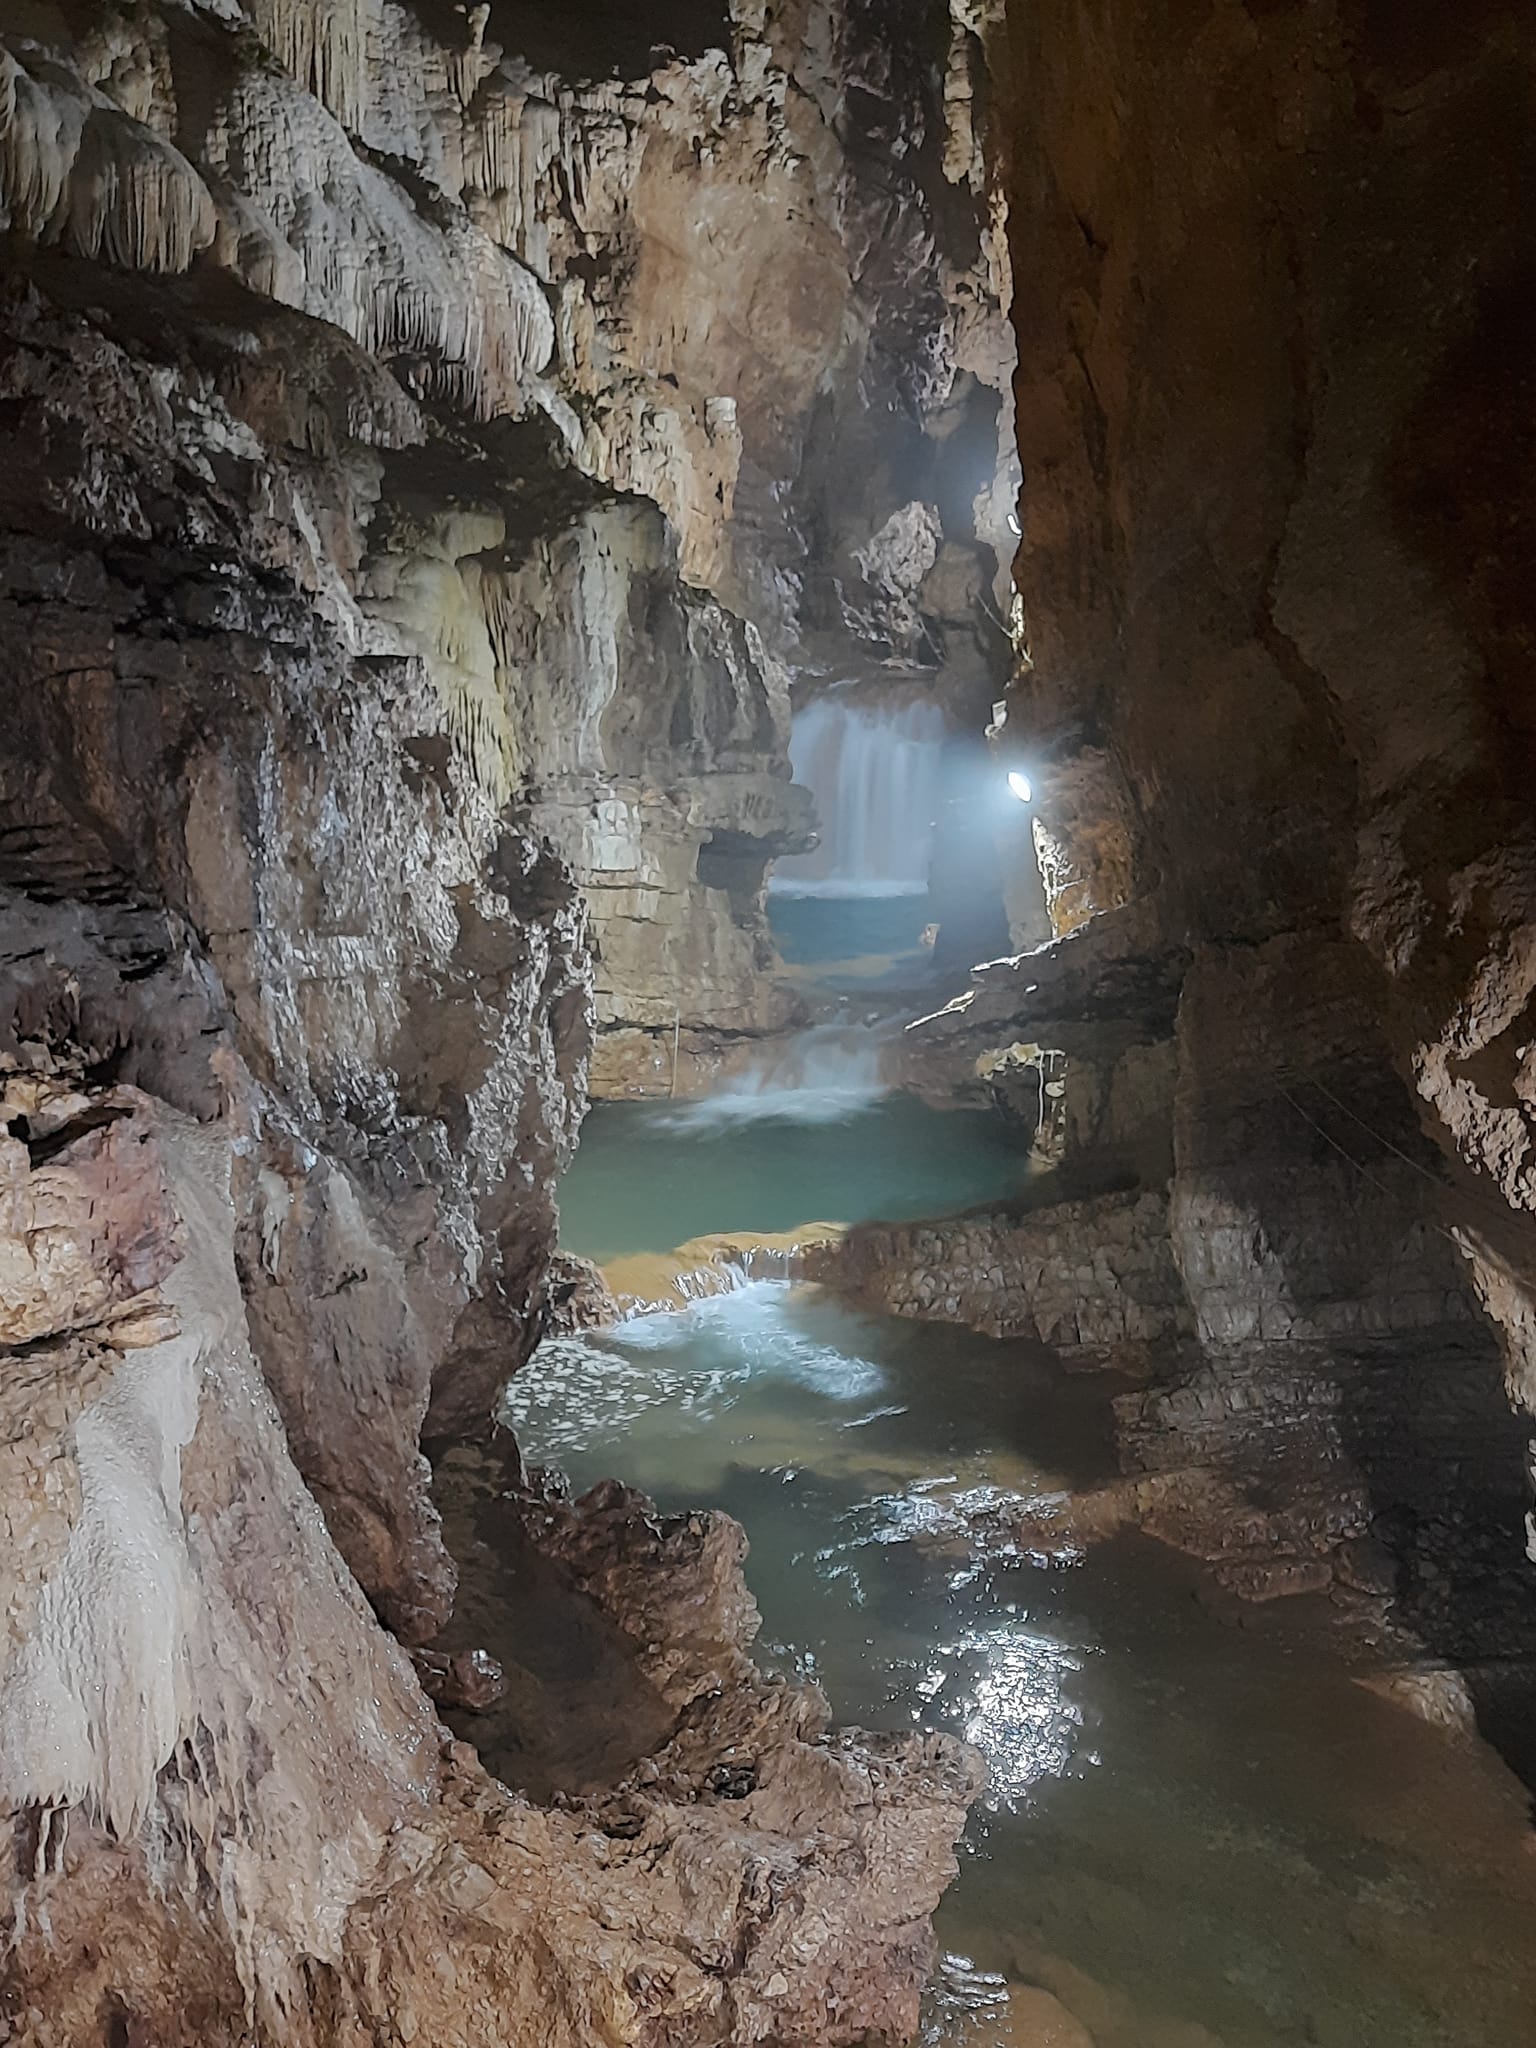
x: 1197, y: 1836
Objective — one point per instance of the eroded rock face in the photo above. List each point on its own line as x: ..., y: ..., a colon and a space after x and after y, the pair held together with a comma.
x: 686, y: 375
x: 197, y: 1706
x: 1274, y: 701
x: 413, y: 456
x: 1095, y: 1280
x: 386, y: 974
x: 1255, y: 408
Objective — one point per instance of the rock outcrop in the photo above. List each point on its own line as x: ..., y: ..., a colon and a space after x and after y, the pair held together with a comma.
x: 1273, y: 695
x: 655, y: 385
x: 235, y: 1814
x: 429, y: 436
x: 1095, y: 1280
x: 1278, y: 646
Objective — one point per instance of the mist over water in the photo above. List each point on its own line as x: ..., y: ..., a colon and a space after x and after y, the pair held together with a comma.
x: 826, y: 1075
x: 875, y: 774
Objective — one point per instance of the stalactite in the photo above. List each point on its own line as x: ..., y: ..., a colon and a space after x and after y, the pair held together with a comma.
x: 99, y: 1696
x: 76, y: 168
x: 473, y: 322
x: 324, y: 48
x: 247, y: 243
x: 511, y: 145
x: 41, y: 120
x: 453, y: 614
x: 134, y: 200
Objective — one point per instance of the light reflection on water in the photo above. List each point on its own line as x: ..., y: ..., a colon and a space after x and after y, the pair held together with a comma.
x: 1193, y: 1839
x: 1016, y: 1709
x: 965, y: 2005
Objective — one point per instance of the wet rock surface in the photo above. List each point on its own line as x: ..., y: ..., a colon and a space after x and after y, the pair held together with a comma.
x: 414, y: 463
x: 194, y: 1684
x: 1095, y: 1280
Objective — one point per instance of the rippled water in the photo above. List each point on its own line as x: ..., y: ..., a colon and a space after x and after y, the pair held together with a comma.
x: 1197, y: 1836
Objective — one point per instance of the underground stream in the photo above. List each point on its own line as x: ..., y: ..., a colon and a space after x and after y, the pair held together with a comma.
x: 1194, y: 1833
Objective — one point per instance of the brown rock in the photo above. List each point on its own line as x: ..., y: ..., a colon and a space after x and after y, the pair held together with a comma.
x: 86, y: 1227
x: 470, y: 1679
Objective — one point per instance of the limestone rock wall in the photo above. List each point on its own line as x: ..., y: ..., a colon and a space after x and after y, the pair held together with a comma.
x: 234, y: 1814
x: 415, y: 440
x: 750, y: 303
x: 1092, y: 1278
x: 212, y: 746
x: 1275, y: 636
x: 1260, y: 392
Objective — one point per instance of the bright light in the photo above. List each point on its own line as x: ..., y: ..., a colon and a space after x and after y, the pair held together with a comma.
x: 1019, y: 784
x: 1014, y: 527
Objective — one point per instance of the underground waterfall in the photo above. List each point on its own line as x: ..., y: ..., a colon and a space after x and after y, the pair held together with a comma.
x: 767, y: 1024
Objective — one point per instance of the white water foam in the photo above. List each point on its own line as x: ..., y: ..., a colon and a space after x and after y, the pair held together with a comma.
x: 696, y: 1360
x: 874, y: 771
x: 752, y: 1332
x: 822, y: 1076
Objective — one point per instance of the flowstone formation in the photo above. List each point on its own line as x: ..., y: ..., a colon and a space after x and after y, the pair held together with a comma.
x: 1274, y: 701
x: 665, y: 386
x: 429, y: 439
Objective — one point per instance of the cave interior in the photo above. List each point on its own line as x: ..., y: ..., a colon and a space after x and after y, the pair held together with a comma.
x: 767, y: 1024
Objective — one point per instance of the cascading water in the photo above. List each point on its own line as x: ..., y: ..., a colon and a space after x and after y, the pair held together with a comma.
x: 825, y: 1075
x: 874, y: 771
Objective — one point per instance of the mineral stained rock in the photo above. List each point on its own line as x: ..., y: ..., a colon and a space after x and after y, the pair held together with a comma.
x: 598, y: 400
x: 238, y: 1813
x: 1274, y: 626
x: 425, y: 449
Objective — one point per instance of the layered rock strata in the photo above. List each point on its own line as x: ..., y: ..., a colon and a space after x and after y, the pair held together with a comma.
x: 1273, y: 696
x: 1277, y: 695
x: 1095, y: 1279
x: 688, y: 377
x: 414, y: 450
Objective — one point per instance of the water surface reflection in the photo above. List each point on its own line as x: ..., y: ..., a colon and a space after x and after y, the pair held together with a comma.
x: 1196, y: 1837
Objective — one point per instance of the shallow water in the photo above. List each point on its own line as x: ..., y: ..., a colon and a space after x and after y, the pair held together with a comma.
x: 1198, y: 1836
x: 853, y: 943
x: 649, y: 1175
x: 809, y: 930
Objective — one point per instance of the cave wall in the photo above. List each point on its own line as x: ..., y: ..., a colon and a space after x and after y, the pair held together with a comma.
x: 712, y: 344
x: 233, y: 1816
x: 404, y: 519
x: 1274, y: 408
